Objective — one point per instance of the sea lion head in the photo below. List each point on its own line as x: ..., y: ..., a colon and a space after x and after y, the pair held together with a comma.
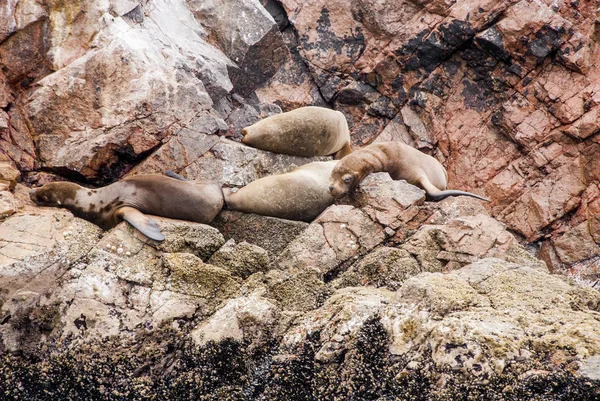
x: 54, y: 194
x: 343, y: 180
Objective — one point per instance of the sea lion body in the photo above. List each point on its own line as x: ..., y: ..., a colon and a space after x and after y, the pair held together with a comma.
x: 300, y: 194
x: 147, y: 194
x: 306, y: 131
x: 402, y: 162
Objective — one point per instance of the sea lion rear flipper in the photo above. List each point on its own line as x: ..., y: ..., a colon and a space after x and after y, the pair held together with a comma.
x: 141, y: 222
x: 451, y: 192
x: 173, y: 174
x: 344, y: 151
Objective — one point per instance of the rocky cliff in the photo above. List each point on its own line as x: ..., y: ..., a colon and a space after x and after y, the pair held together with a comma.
x: 383, y: 296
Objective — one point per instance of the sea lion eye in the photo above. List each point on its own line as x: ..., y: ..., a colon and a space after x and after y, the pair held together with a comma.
x: 348, y: 179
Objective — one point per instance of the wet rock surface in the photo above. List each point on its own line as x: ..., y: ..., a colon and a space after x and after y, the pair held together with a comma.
x: 384, y: 296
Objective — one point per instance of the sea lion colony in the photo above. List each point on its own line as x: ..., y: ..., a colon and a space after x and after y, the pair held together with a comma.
x: 301, y: 194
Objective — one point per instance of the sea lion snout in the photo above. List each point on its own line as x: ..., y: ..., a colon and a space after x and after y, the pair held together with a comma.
x: 336, y: 192
x: 40, y: 197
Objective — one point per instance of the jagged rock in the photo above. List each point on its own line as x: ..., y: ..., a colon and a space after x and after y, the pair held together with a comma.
x: 16, y: 143
x: 231, y: 163
x: 185, y: 147
x: 292, y: 86
x: 184, y: 236
x: 189, y: 275
x: 384, y: 267
x: 340, y: 233
x: 37, y: 246
x: 447, y: 246
x: 482, y: 299
x: 252, y: 40
x: 241, y: 259
x: 505, y: 94
x: 300, y: 291
x: 387, y: 202
x: 529, y: 32
x: 22, y: 54
x: 270, y: 233
x: 129, y: 112
x: 9, y: 175
x: 337, y: 321
x: 250, y: 319
x: 8, y: 204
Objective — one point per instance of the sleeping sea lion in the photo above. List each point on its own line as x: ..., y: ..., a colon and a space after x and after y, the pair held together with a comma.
x: 130, y: 199
x: 402, y: 162
x: 306, y: 131
x: 300, y: 194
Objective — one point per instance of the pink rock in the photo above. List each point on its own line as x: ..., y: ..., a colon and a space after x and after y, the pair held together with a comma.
x: 586, y: 126
x: 576, y: 244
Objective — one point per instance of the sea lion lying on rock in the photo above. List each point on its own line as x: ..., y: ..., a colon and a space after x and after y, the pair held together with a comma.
x: 131, y: 198
x: 306, y: 131
x: 300, y: 194
x: 401, y: 161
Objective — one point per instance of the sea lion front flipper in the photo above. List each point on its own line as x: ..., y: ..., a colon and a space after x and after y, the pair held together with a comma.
x: 141, y: 222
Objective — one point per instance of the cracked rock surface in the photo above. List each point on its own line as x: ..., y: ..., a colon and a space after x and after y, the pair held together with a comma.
x: 384, y: 296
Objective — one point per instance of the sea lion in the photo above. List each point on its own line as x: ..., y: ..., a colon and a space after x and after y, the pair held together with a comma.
x: 402, y: 162
x: 306, y: 131
x: 300, y: 194
x: 133, y: 197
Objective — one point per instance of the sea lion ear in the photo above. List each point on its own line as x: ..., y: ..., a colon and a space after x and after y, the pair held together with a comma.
x: 141, y: 222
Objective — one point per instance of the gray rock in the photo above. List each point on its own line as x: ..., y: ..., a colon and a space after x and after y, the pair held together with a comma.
x: 270, y: 233
x: 340, y: 233
x: 241, y: 259
x: 251, y: 319
x: 184, y: 236
x: 590, y: 368
x: 383, y: 267
x: 189, y: 275
x: 234, y: 164
x: 479, y: 323
x: 156, y: 99
x: 251, y: 39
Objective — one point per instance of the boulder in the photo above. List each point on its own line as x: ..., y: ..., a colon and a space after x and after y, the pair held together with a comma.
x: 270, y: 233
x: 241, y: 259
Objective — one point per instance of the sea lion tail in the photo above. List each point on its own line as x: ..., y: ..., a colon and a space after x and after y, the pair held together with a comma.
x: 438, y: 196
x: 227, y: 201
x: 172, y: 174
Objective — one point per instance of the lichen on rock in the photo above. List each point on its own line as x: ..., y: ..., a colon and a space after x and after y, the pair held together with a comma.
x: 384, y: 295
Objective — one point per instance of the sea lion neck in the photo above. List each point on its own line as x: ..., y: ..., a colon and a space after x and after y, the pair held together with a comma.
x: 377, y: 161
x: 68, y: 192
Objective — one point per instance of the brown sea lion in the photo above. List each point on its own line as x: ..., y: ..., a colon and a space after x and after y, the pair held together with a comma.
x: 402, y: 162
x: 130, y: 199
x: 300, y: 194
x: 306, y: 131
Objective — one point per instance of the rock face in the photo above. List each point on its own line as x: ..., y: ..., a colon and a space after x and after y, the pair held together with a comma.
x: 504, y: 93
x: 356, y: 303
x: 384, y: 296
